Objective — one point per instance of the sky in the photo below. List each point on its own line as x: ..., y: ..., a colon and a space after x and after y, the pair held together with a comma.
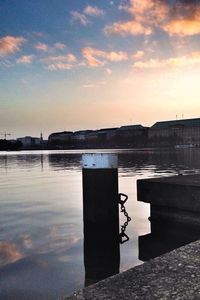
x: 77, y: 64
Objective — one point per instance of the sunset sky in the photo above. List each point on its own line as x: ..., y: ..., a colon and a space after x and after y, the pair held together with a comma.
x: 76, y: 64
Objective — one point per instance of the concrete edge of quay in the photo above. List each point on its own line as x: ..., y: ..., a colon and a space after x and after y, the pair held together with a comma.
x: 174, y: 275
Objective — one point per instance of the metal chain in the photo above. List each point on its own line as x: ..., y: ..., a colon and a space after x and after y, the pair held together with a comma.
x: 123, y: 237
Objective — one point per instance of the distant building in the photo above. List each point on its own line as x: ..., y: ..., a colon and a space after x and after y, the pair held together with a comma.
x: 107, y: 134
x: 81, y: 135
x: 60, y: 137
x: 92, y: 136
x: 132, y: 135
x: 130, y: 130
x: 29, y: 141
x: 175, y: 132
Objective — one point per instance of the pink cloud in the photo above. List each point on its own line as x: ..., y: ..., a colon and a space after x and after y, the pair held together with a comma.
x: 89, y: 55
x: 93, y: 11
x: 114, y: 56
x: 96, y: 58
x: 138, y: 55
x: 25, y: 59
x: 42, y: 47
x: 61, y: 62
x: 192, y: 59
x: 140, y: 22
x: 127, y: 28
x: 184, y: 26
x: 71, y: 57
x: 62, y: 58
x: 143, y: 15
x: 10, y: 44
x: 146, y: 15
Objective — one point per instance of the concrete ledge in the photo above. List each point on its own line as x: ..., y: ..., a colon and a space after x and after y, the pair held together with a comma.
x: 181, y: 192
x: 172, y: 215
x: 175, y: 275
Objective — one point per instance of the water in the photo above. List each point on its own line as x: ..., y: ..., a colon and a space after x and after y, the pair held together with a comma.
x: 41, y: 229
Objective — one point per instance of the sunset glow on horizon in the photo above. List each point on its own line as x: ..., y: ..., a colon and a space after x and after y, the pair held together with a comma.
x: 72, y: 65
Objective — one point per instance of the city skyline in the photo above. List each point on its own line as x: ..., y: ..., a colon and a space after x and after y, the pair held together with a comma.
x: 72, y: 65
x: 8, y: 136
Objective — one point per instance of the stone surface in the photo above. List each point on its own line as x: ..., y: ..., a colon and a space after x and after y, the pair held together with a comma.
x: 175, y: 275
x: 180, y: 192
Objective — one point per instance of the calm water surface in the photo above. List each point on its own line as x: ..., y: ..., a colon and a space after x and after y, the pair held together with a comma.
x: 41, y: 227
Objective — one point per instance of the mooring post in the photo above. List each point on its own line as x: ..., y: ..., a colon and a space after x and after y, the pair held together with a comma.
x: 100, y: 216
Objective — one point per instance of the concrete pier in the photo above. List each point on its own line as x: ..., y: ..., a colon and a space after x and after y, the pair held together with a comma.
x: 175, y: 275
x: 172, y: 199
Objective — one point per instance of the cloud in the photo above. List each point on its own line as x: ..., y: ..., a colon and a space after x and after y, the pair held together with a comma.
x: 89, y: 10
x: 27, y: 241
x: 71, y: 57
x: 186, y: 25
x: 189, y: 60
x: 46, y: 48
x: 81, y: 18
x: 25, y: 59
x: 59, y: 66
x: 138, y: 55
x: 61, y: 62
x: 114, y: 56
x: 89, y: 86
x: 59, y: 46
x: 62, y: 58
x: 108, y: 71
x: 93, y: 85
x: 96, y: 58
x: 42, y: 47
x: 93, y: 11
x: 148, y: 15
x: 10, y: 44
x: 127, y: 28
x: 143, y: 16
x: 89, y: 55
x: 124, y: 5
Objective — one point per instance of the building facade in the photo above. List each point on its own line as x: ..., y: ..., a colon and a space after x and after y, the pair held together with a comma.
x: 60, y: 138
x: 29, y: 141
x: 175, y: 132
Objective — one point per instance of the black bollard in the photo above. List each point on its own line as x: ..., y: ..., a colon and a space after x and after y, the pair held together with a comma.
x: 100, y: 216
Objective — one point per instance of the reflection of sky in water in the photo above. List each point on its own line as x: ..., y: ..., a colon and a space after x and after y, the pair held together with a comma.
x: 41, y: 240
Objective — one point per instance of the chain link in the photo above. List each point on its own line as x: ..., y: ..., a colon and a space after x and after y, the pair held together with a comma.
x: 123, y: 236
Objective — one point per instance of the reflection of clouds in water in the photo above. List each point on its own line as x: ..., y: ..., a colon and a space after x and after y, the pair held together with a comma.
x: 57, y: 242
x: 64, y: 258
x: 9, y: 253
x: 27, y: 241
x: 42, y: 263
